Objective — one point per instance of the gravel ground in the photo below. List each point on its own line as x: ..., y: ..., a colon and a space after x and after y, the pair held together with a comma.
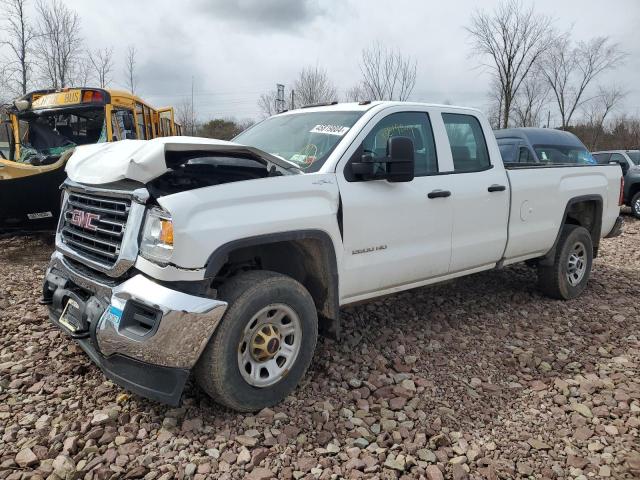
x: 478, y: 378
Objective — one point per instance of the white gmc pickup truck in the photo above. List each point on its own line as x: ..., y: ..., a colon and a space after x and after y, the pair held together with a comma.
x: 225, y: 259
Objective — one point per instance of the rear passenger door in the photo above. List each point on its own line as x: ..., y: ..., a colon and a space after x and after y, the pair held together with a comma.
x: 480, y: 195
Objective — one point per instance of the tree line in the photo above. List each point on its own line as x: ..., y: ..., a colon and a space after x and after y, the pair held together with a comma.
x: 536, y: 69
x: 42, y: 47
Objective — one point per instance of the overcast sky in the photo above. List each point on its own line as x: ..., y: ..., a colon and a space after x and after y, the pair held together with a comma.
x: 236, y: 50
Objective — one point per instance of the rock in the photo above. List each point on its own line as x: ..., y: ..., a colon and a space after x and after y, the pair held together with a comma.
x: 26, y: 458
x: 244, y: 456
x: 213, y: 452
x: 64, y: 467
x: 582, y: 434
x: 396, y: 462
x: 538, y: 444
x: 260, y: 474
x: 434, y: 473
x: 426, y: 455
x: 582, y: 409
x: 100, y: 418
x: 190, y: 469
x: 458, y: 472
x: 524, y: 468
x: 246, y: 440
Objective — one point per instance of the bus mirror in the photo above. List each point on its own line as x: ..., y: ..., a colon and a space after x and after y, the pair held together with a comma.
x: 22, y: 105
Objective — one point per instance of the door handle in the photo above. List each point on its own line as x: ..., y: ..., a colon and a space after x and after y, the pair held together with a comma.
x: 497, y: 188
x: 439, y: 194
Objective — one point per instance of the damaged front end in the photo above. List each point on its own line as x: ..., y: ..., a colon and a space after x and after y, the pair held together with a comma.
x: 145, y: 332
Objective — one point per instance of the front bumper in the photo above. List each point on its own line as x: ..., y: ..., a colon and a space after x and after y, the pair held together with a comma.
x: 145, y: 337
x: 616, y: 231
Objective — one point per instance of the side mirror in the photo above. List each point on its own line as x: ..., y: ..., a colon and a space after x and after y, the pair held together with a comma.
x: 130, y: 135
x: 400, y: 159
x: 397, y: 166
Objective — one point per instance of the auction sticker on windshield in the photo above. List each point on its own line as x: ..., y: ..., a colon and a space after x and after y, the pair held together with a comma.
x: 338, y: 130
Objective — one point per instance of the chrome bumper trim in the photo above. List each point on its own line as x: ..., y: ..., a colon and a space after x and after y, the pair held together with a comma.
x: 184, y: 329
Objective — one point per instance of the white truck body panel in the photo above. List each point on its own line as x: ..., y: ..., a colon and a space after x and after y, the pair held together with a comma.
x: 539, y: 197
x: 207, y: 218
x: 393, y: 237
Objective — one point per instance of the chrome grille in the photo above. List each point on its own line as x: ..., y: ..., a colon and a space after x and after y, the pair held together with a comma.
x: 94, y: 226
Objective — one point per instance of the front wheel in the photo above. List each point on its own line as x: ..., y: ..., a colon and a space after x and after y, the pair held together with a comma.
x: 264, y: 343
x: 568, y: 276
x: 635, y: 205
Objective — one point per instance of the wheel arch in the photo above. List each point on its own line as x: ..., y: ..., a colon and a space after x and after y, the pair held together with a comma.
x: 305, y: 255
x: 634, y: 188
x: 585, y: 211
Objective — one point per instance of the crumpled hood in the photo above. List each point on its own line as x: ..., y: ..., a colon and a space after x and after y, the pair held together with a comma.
x: 144, y: 160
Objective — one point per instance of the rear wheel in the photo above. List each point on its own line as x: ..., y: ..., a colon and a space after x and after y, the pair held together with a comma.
x: 568, y: 276
x: 264, y: 343
x: 635, y: 205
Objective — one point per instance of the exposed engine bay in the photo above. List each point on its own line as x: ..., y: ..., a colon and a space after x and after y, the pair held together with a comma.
x: 192, y: 170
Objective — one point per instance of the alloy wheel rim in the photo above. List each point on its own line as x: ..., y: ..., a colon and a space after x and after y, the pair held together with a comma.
x: 576, y: 264
x: 636, y: 207
x: 269, y: 345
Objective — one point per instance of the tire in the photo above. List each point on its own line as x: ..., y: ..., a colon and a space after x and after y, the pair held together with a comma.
x: 635, y: 205
x: 218, y: 371
x: 560, y: 280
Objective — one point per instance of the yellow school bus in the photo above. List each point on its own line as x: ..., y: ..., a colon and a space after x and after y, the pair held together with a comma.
x: 39, y: 131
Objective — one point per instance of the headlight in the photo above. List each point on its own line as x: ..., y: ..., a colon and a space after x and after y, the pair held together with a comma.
x: 157, y: 236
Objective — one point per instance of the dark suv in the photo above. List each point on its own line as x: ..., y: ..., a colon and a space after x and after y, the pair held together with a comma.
x: 629, y: 160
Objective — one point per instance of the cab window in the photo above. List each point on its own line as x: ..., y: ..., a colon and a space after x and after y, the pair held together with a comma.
x: 466, y: 139
x: 417, y: 127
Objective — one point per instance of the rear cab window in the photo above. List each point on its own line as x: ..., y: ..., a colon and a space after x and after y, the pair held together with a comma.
x: 468, y: 145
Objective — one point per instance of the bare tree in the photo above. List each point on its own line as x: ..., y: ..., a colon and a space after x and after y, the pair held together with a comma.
x: 130, y: 68
x: 20, y: 35
x: 102, y: 65
x: 355, y: 94
x: 496, y: 102
x: 570, y: 70
x: 83, y: 71
x: 513, y: 39
x: 529, y: 102
x: 186, y: 116
x: 597, y: 111
x: 313, y: 86
x: 386, y: 74
x: 59, y: 45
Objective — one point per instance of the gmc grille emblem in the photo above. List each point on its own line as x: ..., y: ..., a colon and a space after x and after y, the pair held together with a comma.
x: 84, y: 219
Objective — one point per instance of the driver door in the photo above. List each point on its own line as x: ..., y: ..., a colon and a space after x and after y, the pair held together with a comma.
x: 395, y: 234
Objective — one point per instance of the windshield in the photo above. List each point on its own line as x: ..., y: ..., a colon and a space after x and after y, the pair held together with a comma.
x: 45, y: 135
x: 562, y: 154
x: 305, y: 139
x: 635, y: 157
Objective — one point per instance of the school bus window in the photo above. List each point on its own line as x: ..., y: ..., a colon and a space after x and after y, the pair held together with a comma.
x: 140, y: 120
